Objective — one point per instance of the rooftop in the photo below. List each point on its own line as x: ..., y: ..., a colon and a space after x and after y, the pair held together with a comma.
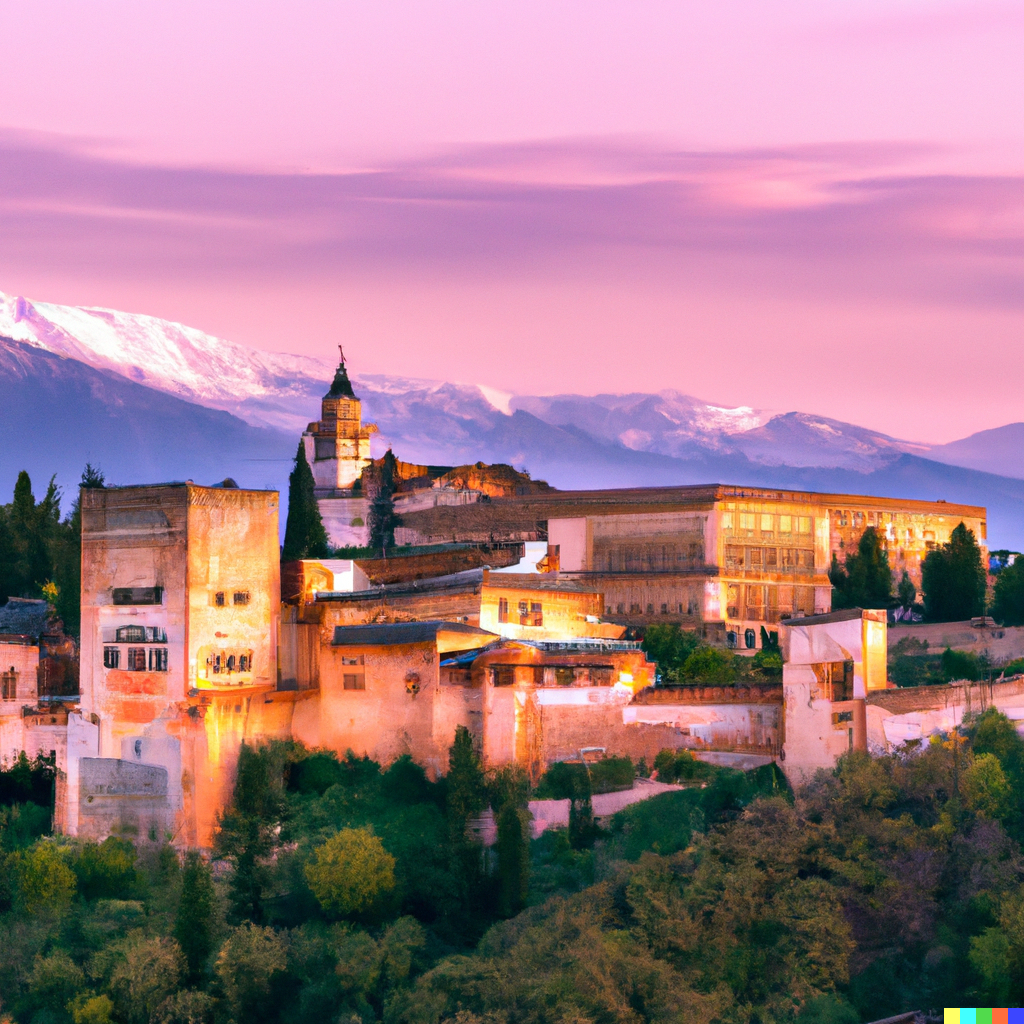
x: 396, y: 633
x: 24, y: 616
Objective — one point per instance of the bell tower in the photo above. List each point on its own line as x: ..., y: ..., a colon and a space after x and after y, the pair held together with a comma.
x: 338, y: 444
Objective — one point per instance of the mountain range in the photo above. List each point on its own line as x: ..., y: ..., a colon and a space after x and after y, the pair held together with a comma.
x: 148, y: 399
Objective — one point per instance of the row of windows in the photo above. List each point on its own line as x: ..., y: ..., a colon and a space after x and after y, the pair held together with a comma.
x: 564, y: 675
x: 355, y: 677
x: 650, y: 557
x: 737, y: 557
x: 136, y: 659
x: 221, y: 662
x: 220, y: 598
x: 530, y: 613
x: 692, y: 607
x: 140, y: 635
x: 766, y: 522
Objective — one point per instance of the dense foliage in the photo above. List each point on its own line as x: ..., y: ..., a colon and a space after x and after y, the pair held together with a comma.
x: 953, y: 578
x: 889, y: 884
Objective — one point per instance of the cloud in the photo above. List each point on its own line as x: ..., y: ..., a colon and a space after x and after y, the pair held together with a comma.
x: 858, y: 221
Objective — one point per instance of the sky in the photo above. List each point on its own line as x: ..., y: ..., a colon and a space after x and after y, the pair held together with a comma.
x: 789, y: 205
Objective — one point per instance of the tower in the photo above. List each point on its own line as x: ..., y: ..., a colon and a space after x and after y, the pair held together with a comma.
x: 338, y: 444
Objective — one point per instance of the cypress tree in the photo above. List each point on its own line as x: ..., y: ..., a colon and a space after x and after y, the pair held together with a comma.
x: 382, y: 509
x: 304, y: 533
x: 864, y: 580
x: 193, y: 925
x: 953, y: 579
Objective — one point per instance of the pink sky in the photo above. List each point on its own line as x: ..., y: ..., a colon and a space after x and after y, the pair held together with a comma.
x: 789, y: 205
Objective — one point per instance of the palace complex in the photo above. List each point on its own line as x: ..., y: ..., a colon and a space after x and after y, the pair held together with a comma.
x: 194, y: 638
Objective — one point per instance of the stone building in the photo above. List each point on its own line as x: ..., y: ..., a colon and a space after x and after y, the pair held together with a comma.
x: 832, y: 664
x: 732, y: 560
x: 180, y: 609
x: 537, y: 606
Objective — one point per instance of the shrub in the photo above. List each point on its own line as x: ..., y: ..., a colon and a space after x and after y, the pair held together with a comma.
x: 710, y: 665
x: 106, y: 870
x: 960, y: 665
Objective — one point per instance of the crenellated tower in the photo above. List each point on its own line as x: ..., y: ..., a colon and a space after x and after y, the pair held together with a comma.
x: 338, y: 444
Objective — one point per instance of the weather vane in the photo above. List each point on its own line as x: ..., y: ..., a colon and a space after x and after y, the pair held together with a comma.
x: 341, y: 352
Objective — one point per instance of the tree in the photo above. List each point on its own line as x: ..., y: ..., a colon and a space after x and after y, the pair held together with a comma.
x: 193, y: 925
x: 1008, y: 603
x: 510, y: 794
x: 249, y: 963
x: 709, y: 665
x: 145, y: 972
x: 465, y: 790
x: 953, y: 579
x: 304, y: 533
x: 669, y: 646
x: 864, y: 580
x: 906, y: 592
x: 352, y: 873
x: 46, y: 883
x: 382, y: 509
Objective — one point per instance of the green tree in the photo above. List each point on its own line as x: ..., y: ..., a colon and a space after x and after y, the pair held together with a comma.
x: 906, y: 592
x: 304, y: 533
x: 382, y: 508
x: 193, y: 924
x: 56, y: 980
x: 986, y: 789
x: 510, y: 794
x: 248, y: 965
x: 105, y: 870
x: 864, y: 580
x: 953, y: 579
x: 90, y: 1009
x: 351, y: 874
x: 670, y: 646
x: 709, y: 665
x: 143, y: 972
x: 465, y: 786
x: 46, y: 884
x: 1008, y: 601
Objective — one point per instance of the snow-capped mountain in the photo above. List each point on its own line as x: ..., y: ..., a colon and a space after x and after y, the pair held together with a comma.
x: 422, y: 417
x: 152, y: 400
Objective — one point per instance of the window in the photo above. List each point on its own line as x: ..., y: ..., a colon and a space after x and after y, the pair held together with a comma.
x: 621, y: 608
x: 750, y: 639
x: 352, y: 681
x: 230, y: 664
x: 733, y: 556
x: 664, y: 609
x: 746, y: 520
x: 355, y: 659
x: 756, y: 557
x: 503, y: 675
x: 9, y: 685
x: 138, y: 595
x: 131, y: 634
x: 503, y: 609
x: 158, y: 659
x: 806, y: 525
x: 785, y: 524
x: 634, y: 609
x: 111, y: 657
x: 771, y: 557
x: 524, y: 613
x: 726, y: 520
x: 807, y: 559
x: 136, y: 659
x: 650, y: 609
x: 213, y: 662
x: 766, y: 524
x: 564, y: 676
x: 156, y: 635
x: 241, y: 597
x: 536, y: 614
x: 218, y: 599
x: 245, y: 663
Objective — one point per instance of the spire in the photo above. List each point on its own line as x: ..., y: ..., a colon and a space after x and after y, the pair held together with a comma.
x: 341, y: 386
